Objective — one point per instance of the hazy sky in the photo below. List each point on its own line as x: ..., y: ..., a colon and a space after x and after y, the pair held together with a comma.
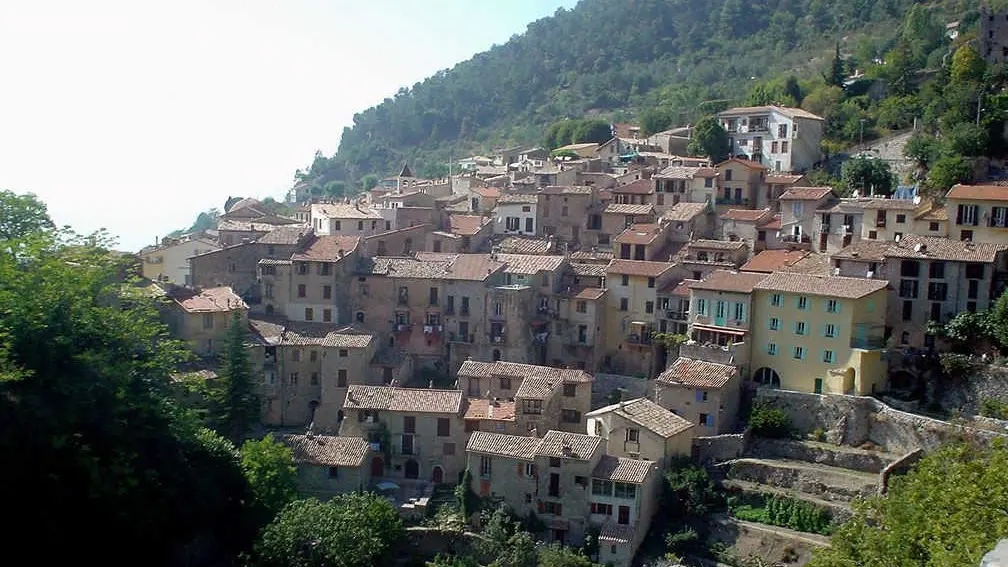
x: 136, y: 115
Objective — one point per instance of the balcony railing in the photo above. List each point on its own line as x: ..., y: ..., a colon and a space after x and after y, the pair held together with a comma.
x: 463, y: 339
x: 677, y: 315
x: 802, y: 239
x: 432, y: 329
x: 402, y: 327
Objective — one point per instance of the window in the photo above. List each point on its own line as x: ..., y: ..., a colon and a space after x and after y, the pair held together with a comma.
x: 301, y: 290
x: 296, y: 355
x: 333, y: 472
x: 599, y: 508
x: 464, y: 310
x: 973, y: 289
x: 708, y: 182
x: 485, y: 466
x: 797, y: 209
x: 208, y: 320
x: 624, y: 304
x: 907, y: 310
x: 967, y: 214
x: 601, y: 487
x: 829, y: 330
x: 443, y: 427
x: 563, y: 211
x: 633, y: 435
x: 302, y: 268
x: 782, y: 130
x: 908, y: 289
x: 974, y: 271
x: 314, y: 380
x: 433, y: 296
x: 936, y: 311
x: 774, y: 324
x: 828, y: 356
x: 552, y: 508
x: 776, y: 300
x: 799, y: 328
x: 532, y: 407
x: 528, y: 224
x: 555, y: 462
x: 934, y: 226
x: 832, y: 306
x: 569, y: 390
x: 936, y: 270
x: 872, y: 235
x: 409, y: 424
x: 702, y: 307
x: 803, y: 303
x: 505, y: 383
x: 900, y: 218
x: 570, y: 416
x: 740, y: 312
x: 773, y: 147
x: 324, y: 269
x: 293, y: 378
x: 498, y: 308
x: 701, y: 395
x: 512, y: 223
x: 530, y: 469
x: 783, y: 148
x: 338, y: 226
x: 309, y: 314
x: 624, y: 490
x: 937, y: 291
x: 582, y: 307
x: 327, y: 315
x: 649, y: 306
x: 798, y: 353
x: 727, y: 175
x: 772, y: 349
x: 327, y: 292
x: 313, y: 355
x: 343, y: 353
x: 341, y: 378
x: 624, y: 280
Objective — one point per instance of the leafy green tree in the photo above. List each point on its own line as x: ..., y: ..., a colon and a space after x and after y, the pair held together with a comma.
x: 709, y: 139
x: 453, y: 561
x: 967, y: 331
x: 968, y: 140
x: 334, y: 189
x: 369, y: 181
x: 269, y: 467
x: 559, y: 556
x: 898, y: 112
x: 654, y: 120
x: 923, y: 149
x: 900, y: 68
x: 768, y: 421
x: 21, y: 215
x: 967, y: 65
x: 823, y: 100
x: 868, y: 176
x: 948, y: 511
x: 689, y: 491
x: 597, y: 131
x: 238, y: 407
x: 948, y: 171
x: 997, y: 321
x: 351, y: 530
x: 520, y: 551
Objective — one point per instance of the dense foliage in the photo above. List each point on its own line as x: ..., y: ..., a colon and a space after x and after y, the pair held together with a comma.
x: 269, y: 467
x: 668, y: 62
x: 768, y: 421
x: 238, y: 403
x: 947, y: 512
x: 781, y: 511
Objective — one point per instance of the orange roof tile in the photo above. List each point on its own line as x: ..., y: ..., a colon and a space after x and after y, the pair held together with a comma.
x: 467, y: 225
x: 745, y: 215
x: 697, y: 374
x: 806, y: 193
x: 639, y: 187
x: 486, y: 409
x: 209, y: 300
x: 725, y: 280
x: 327, y: 249
x: 639, y: 268
x: 828, y: 286
x: 978, y: 192
x: 488, y: 192
x: 772, y: 260
x: 327, y: 450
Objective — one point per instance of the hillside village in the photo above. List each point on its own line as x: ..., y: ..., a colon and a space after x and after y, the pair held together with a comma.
x: 566, y: 328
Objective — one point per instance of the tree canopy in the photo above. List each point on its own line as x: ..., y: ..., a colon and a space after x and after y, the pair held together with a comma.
x: 867, y: 176
x: 22, y: 215
x: 709, y: 139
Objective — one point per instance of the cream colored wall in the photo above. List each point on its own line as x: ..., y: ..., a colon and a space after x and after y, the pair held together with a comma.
x: 171, y: 264
x: 504, y: 481
x: 314, y: 480
x: 923, y: 228
x: 203, y: 341
x: 800, y: 375
x: 981, y: 232
x: 428, y: 448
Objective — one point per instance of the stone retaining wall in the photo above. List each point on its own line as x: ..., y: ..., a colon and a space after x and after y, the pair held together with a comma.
x: 855, y: 420
x: 604, y: 385
x: 897, y: 467
x: 427, y: 543
x: 719, y: 448
x: 820, y: 453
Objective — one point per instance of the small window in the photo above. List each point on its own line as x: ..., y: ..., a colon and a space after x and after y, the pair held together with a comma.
x: 327, y: 315
x: 649, y: 306
x: 343, y: 353
x: 327, y: 292
x: 900, y: 219
x: 776, y: 300
x: 774, y: 324
x: 301, y: 290
x: 582, y: 307
x: 829, y: 357
x: 633, y: 435
x: 651, y: 282
x: 208, y: 320
x: 313, y: 355
x: 829, y: 330
x: 625, y: 280
x: 341, y: 378
x: 799, y: 328
x: 333, y: 472
x: 505, y: 383
x: 934, y: 227
x: 624, y: 304
x: 832, y: 306
x: 443, y: 427
x: 569, y: 390
x: 772, y: 349
x: 803, y: 303
x: 309, y: 314
x: 799, y: 353
x: 314, y: 379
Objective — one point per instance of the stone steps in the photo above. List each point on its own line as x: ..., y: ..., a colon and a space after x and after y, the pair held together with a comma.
x: 821, y: 481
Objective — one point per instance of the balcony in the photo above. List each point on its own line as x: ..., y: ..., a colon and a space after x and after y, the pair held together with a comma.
x: 796, y: 238
x: 402, y: 327
x: 461, y: 339
x: 677, y: 315
x: 639, y: 339
x: 432, y: 329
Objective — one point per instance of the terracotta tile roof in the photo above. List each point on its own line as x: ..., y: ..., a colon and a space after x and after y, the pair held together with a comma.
x: 812, y: 263
x: 639, y: 268
x: 568, y: 190
x: 266, y: 332
x: 518, y: 199
x: 409, y: 400
x: 978, y: 192
x: 401, y: 267
x: 705, y: 244
x: 617, y: 534
x: 488, y: 192
x: 935, y: 214
x: 543, y: 376
x: 432, y: 265
x: 890, y: 204
x: 935, y: 248
x: 289, y: 234
x: 806, y: 193
x: 472, y: 267
x: 327, y: 450
x: 827, y: 286
x: 618, y: 209
x: 647, y: 414
x: 209, y: 300
x: 620, y: 469
x: 529, y: 264
x: 724, y: 280
x: 327, y: 249
x: 344, y: 211
x: 788, y: 111
x: 525, y: 245
x: 488, y: 410
x: 681, y: 289
x: 783, y: 179
x: 591, y: 255
x: 639, y: 234
x: 513, y: 446
x: 590, y: 293
x: 692, y: 373
x: 706, y: 172
x: 247, y: 225
x: 685, y: 211
x: 678, y: 172
x: 772, y: 260
x: 596, y: 270
x: 743, y: 162
x: 324, y: 335
x: 639, y: 187
x: 745, y: 215
x: 865, y: 250
x: 568, y: 445
x: 773, y: 223
x: 467, y: 225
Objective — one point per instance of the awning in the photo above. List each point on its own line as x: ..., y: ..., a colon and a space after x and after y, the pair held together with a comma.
x: 725, y: 330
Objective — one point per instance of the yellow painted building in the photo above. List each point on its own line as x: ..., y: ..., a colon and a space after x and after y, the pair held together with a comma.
x: 978, y: 213
x: 821, y: 334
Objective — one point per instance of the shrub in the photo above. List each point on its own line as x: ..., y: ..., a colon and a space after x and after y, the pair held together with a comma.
x: 957, y: 366
x: 783, y: 511
x: 994, y: 408
x: 767, y: 421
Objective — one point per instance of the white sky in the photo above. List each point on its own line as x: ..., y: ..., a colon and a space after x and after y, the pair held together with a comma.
x: 136, y: 115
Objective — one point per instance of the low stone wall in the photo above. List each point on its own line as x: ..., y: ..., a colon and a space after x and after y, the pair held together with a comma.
x: 856, y: 420
x: 604, y: 385
x: 719, y: 448
x: 819, y: 453
x: 427, y: 543
x: 901, y: 465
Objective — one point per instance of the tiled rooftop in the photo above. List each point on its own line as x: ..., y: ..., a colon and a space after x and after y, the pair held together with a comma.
x: 772, y: 260
x: 408, y: 400
x: 568, y: 445
x: 806, y: 193
x: 289, y: 234
x: 344, y: 211
x: 641, y: 233
x: 529, y: 264
x: 596, y: 270
x: 978, y: 192
x: 620, y: 469
x: 724, y: 280
x: 639, y: 187
x: 745, y: 215
x: 639, y: 268
x: 525, y: 245
x: 623, y: 209
x: 490, y: 410
x: 827, y: 286
x: 467, y: 225
x: 514, y: 446
x: 327, y: 249
x: 935, y: 248
x: 692, y: 373
x: 681, y: 212
x: 209, y: 300
x: 324, y: 335
x: 647, y: 414
x: 327, y: 450
x: 518, y: 199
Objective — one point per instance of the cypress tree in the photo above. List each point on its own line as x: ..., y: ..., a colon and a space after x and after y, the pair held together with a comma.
x: 238, y: 402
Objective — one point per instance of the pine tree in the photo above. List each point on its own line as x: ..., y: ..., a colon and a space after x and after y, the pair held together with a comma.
x: 835, y: 77
x: 238, y: 402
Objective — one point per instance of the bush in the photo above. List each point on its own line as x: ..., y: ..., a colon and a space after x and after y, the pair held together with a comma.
x: 783, y: 511
x: 767, y: 421
x: 994, y: 408
x: 957, y: 366
x: 681, y: 542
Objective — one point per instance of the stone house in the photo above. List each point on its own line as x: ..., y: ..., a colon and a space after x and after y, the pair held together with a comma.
x: 582, y: 334
x: 690, y: 221
x: 168, y: 262
x: 484, y: 199
x: 347, y: 219
x: 233, y: 231
x: 933, y: 222
x: 742, y: 225
x: 202, y: 317
x: 674, y: 307
x: 328, y: 465
x: 400, y: 242
x: 616, y: 218
x: 491, y: 415
x: 639, y: 192
x: 624, y: 499
x: 642, y: 429
x: 630, y: 314
x: 701, y: 257
x: 821, y: 334
x: 563, y: 211
x: 837, y: 223
x: 702, y: 392
x: 770, y: 261
x: 678, y: 183
x: 414, y: 433
x: 889, y: 219
x: 721, y: 318
x: 978, y: 213
x: 517, y: 213
x: 309, y: 286
x: 781, y: 138
x: 466, y: 234
x: 642, y: 241
x: 740, y: 184
x: 524, y: 308
x: 776, y: 184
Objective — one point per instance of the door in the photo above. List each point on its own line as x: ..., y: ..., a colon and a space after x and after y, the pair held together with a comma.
x: 559, y: 536
x: 624, y: 515
x: 818, y: 385
x: 377, y: 467
x: 554, y: 484
x: 412, y: 469
x: 437, y: 477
